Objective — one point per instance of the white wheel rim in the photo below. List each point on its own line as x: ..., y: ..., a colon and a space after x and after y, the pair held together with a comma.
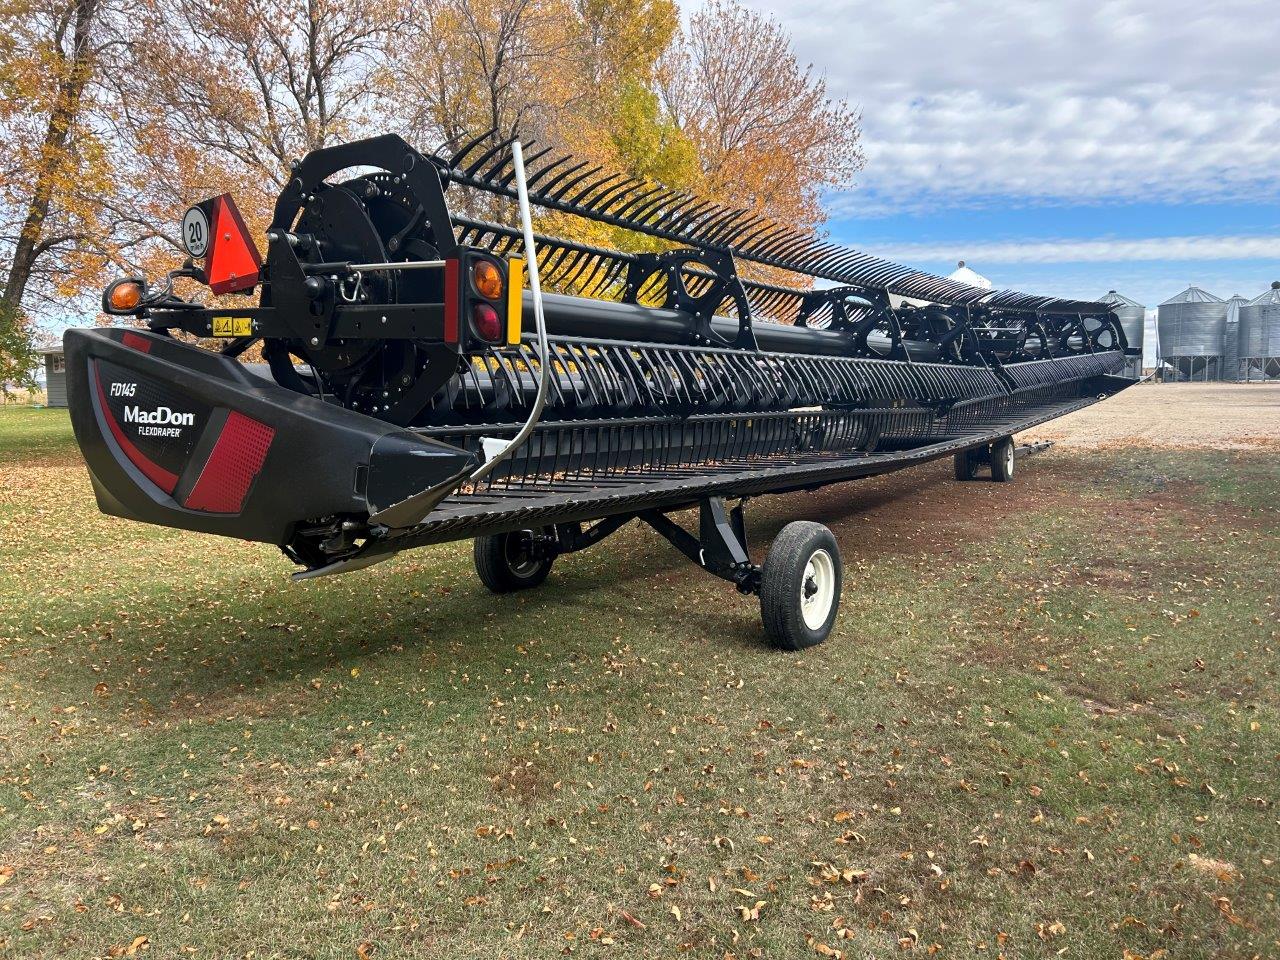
x: 1008, y: 460
x: 817, y: 589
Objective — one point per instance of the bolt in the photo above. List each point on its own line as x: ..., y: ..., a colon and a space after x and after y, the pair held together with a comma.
x: 315, y: 341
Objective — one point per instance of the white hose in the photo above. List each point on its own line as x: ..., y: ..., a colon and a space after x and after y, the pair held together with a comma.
x: 544, y: 351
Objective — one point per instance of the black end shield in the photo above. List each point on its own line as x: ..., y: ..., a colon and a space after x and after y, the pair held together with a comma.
x: 182, y: 437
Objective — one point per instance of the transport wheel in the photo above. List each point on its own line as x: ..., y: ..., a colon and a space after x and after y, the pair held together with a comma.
x: 966, y: 468
x: 800, y: 586
x: 1002, y: 460
x: 512, y: 561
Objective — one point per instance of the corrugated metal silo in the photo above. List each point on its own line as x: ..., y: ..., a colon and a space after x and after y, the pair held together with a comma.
x: 1260, y: 336
x: 1133, y: 320
x: 1231, y: 339
x: 1190, y: 328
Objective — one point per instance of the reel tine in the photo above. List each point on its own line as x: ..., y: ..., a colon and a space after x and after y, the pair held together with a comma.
x: 456, y: 160
x: 617, y: 193
x: 556, y: 257
x: 533, y: 178
x: 687, y: 213
x: 584, y: 262
x: 506, y: 181
x: 579, y: 199
x: 446, y: 146
x: 558, y: 194
x: 711, y: 229
x: 638, y: 200
x: 743, y: 229
x: 614, y: 274
x: 493, y: 151
x: 567, y: 172
x: 648, y: 207
x: 747, y: 244
x: 774, y: 243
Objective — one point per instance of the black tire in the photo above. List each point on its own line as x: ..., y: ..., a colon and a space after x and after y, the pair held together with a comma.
x: 505, y: 561
x: 1002, y: 457
x: 785, y: 581
x: 965, y: 466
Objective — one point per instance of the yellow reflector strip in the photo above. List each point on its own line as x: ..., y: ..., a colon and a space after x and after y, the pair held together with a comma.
x: 515, y: 299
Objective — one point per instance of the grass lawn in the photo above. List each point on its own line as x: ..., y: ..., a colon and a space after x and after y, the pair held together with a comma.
x: 1048, y: 723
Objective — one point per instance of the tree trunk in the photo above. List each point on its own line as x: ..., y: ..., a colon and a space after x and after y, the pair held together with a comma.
x: 77, y: 65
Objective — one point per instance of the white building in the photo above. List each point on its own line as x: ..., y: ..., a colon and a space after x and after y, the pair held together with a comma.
x: 55, y: 376
x: 963, y: 274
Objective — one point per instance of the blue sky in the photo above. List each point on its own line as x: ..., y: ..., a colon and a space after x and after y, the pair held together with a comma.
x: 1060, y: 148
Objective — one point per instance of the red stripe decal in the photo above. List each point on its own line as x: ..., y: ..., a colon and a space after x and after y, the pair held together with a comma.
x: 451, y: 301
x: 233, y: 465
x: 157, y: 474
x: 137, y: 342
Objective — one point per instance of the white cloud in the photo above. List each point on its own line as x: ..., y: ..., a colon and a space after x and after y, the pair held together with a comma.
x: 1162, y: 249
x: 1048, y: 100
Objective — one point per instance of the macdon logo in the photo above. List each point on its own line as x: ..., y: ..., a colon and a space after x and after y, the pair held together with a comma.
x: 160, y: 416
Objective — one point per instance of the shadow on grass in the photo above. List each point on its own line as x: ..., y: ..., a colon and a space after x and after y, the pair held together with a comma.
x: 454, y: 623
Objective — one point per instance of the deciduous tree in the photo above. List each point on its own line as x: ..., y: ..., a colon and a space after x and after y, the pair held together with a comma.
x: 54, y: 166
x: 240, y: 88
x: 116, y: 114
x: 767, y: 133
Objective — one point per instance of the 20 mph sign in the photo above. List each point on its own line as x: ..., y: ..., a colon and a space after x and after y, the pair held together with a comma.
x: 195, y: 232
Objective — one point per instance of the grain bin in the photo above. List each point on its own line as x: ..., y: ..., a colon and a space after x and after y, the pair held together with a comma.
x: 1133, y: 321
x: 1260, y: 336
x: 1231, y: 339
x: 1190, y: 328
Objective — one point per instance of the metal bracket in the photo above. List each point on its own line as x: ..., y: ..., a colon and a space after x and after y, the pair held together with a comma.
x: 572, y: 537
x: 721, y: 545
x: 842, y: 302
x: 719, y: 285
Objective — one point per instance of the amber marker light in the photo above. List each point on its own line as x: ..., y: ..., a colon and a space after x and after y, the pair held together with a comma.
x: 123, y: 296
x: 487, y: 279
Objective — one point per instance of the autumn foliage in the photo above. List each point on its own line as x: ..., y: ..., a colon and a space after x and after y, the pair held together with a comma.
x: 116, y: 114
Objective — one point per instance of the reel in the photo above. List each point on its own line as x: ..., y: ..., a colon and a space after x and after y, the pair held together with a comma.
x: 376, y: 218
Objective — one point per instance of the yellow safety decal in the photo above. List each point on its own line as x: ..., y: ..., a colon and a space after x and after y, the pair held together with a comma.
x: 515, y: 299
x: 232, y: 326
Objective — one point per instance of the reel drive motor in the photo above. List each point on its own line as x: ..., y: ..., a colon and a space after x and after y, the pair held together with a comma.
x: 413, y: 391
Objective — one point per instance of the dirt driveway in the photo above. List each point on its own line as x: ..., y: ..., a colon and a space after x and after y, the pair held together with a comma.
x: 1224, y: 416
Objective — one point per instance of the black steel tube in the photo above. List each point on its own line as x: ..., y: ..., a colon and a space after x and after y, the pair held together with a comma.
x: 605, y: 320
